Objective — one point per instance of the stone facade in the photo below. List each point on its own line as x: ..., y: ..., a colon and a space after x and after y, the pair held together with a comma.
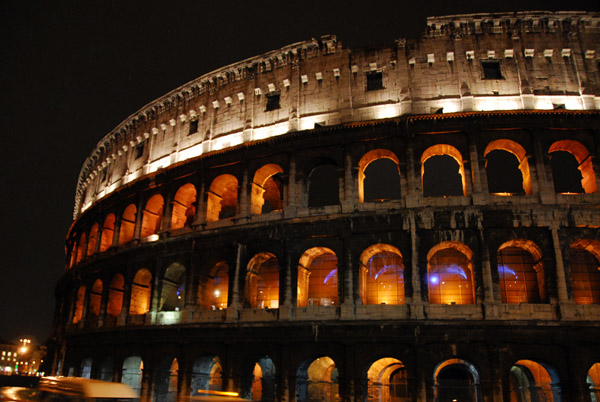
x: 204, y: 220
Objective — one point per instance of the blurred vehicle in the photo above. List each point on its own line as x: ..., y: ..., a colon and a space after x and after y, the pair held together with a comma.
x: 216, y: 396
x: 72, y: 389
x: 18, y: 394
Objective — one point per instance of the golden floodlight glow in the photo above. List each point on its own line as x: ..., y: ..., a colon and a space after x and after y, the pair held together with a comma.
x: 217, y: 393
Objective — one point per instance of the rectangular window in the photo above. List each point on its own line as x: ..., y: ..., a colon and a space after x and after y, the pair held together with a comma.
x: 193, y: 127
x: 491, y: 70
x: 139, y: 150
x: 374, y: 81
x: 272, y: 101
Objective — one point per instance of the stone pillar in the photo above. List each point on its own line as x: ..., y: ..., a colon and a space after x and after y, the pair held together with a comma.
x: 480, y: 188
x: 139, y: 216
x: 544, y: 176
x: 103, y: 303
x: 165, y: 220
x: 293, y: 192
x: 486, y: 268
x: 122, y: 319
x: 347, y: 289
x: 285, y: 308
x: 117, y: 231
x: 235, y: 305
x: 421, y: 375
x: 416, y: 301
x: 147, y: 383
x: 350, y: 193
x: 414, y: 188
x: 561, y: 283
x: 244, y: 201
x: 200, y: 217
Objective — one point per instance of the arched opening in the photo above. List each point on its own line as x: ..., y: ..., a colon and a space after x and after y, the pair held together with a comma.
x: 184, y: 207
x: 450, y: 274
x: 318, y: 278
x: 115, y: 295
x: 73, y: 255
x: 78, y: 313
x: 222, y: 198
x: 262, y: 281
x: 108, y: 230
x: 593, y: 381
x: 379, y: 176
x: 442, y: 172
x: 572, y: 168
x: 218, y: 287
x: 267, y: 190
x: 323, y: 184
x: 127, y: 224
x: 140, y: 292
x: 92, y: 241
x: 86, y: 368
x: 521, y: 272
x: 132, y: 373
x: 257, y: 380
x: 152, y: 215
x: 207, y: 375
x: 531, y: 381
x: 456, y: 380
x: 95, y: 299
x: 387, y: 381
x: 584, y: 257
x: 507, y: 168
x: 381, y: 275
x: 106, y: 371
x: 172, y: 297
x: 165, y: 382
x: 317, y: 381
x: 80, y: 248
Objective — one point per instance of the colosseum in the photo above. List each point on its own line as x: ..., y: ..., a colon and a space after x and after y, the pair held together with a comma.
x: 416, y: 221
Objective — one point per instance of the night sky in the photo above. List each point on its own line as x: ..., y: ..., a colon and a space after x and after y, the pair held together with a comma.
x: 73, y: 70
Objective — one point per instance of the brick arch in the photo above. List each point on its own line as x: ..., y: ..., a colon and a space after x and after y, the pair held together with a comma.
x: 450, y: 274
x: 263, y: 276
x: 449, y: 150
x: 92, y: 240
x: 582, y: 155
x: 265, y: 189
x: 317, y: 277
x: 366, y: 160
x: 222, y: 198
x: 127, y: 224
x: 517, y: 150
x: 152, y: 216
x: 184, y: 206
x: 381, y: 281
x: 108, y: 232
x: 521, y: 272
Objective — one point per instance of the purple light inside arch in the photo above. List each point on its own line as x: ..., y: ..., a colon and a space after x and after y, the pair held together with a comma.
x: 434, y: 279
x: 330, y: 276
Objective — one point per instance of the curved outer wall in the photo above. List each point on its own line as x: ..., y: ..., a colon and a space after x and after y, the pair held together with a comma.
x: 221, y: 175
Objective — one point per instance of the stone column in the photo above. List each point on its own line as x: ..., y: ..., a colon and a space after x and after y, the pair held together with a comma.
x: 486, y: 268
x: 244, y: 202
x: 122, y: 319
x: 285, y: 308
x: 165, y: 220
x: 350, y: 194
x: 544, y: 176
x: 561, y: 283
x: 414, y: 190
x: 201, y: 197
x: 347, y: 290
x: 139, y: 216
x: 480, y: 188
x: 293, y: 193
x: 416, y: 301
x: 235, y: 305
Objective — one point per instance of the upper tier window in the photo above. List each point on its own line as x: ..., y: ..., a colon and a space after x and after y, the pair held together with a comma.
x: 491, y: 70
x: 374, y: 80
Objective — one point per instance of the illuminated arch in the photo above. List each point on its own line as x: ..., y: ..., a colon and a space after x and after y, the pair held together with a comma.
x: 108, y: 230
x: 78, y: 313
x: 207, y: 375
x: 584, y: 264
x: 92, y: 240
x: 81, y: 248
x: 258, y: 379
x: 381, y: 275
x: 593, y: 381
x: 456, y: 379
x: 172, y: 296
x: 218, y: 287
x: 95, y: 301
x: 115, y: 295
x: 387, y: 377
x: 165, y: 381
x: 521, y: 272
x: 152, y: 216
x: 443, y: 150
x: 318, y: 278
x: 132, y: 373
x: 582, y: 155
x: 267, y: 190
x: 532, y: 381
x: 519, y: 152
x: 317, y: 380
x: 184, y: 207
x: 222, y: 198
x: 392, y: 189
x: 262, y: 281
x: 450, y: 274
x: 127, y: 224
x: 140, y: 292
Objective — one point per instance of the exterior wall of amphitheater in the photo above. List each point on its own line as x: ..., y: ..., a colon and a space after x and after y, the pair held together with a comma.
x: 184, y: 208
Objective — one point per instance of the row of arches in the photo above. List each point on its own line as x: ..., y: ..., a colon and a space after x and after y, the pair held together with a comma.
x: 387, y: 379
x: 450, y: 279
x: 379, y: 179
